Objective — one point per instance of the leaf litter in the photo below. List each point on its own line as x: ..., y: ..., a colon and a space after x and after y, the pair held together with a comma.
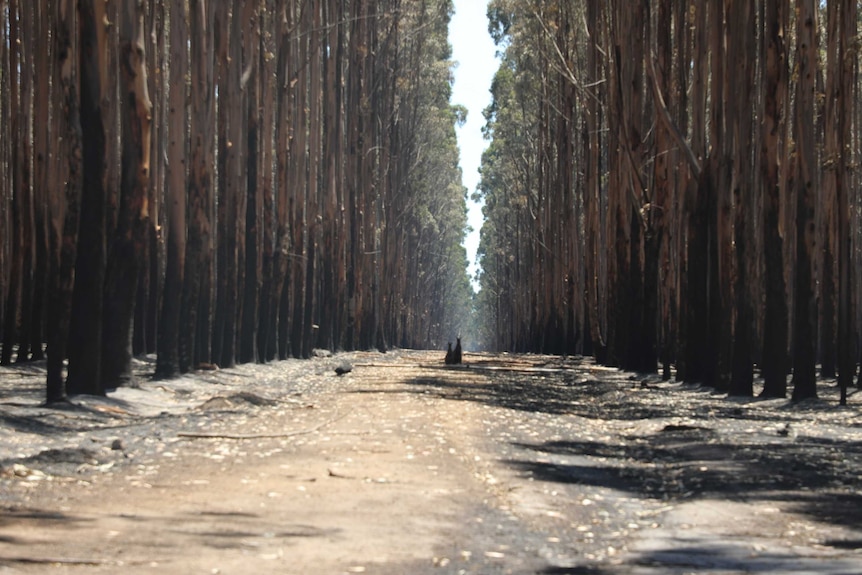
x: 507, y: 464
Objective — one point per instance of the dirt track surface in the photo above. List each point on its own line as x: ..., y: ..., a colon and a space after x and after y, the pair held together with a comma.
x: 508, y: 464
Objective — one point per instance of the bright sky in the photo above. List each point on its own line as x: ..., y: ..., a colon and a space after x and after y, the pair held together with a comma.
x: 474, y: 51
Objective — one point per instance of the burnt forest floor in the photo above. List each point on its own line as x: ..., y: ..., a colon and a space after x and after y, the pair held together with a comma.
x: 507, y: 464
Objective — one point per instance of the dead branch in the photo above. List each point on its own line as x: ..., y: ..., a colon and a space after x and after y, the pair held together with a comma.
x: 667, y: 121
x: 65, y: 561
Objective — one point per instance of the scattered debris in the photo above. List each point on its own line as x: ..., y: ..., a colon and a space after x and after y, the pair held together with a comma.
x: 343, y: 368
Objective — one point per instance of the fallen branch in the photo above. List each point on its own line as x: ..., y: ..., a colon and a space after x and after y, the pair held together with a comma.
x: 239, y: 436
x: 339, y: 475
x: 65, y: 561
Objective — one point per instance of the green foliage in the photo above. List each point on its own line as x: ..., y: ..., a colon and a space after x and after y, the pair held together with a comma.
x: 430, y: 211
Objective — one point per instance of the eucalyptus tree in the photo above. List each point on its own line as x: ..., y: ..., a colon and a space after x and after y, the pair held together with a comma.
x: 700, y: 158
x: 804, y: 304
x: 175, y: 201
x: 5, y: 136
x: 774, y: 141
x: 85, y: 338
x: 425, y: 203
x: 840, y: 104
x: 64, y: 199
x: 306, y: 156
x: 128, y: 242
x: 17, y: 167
x: 195, y: 305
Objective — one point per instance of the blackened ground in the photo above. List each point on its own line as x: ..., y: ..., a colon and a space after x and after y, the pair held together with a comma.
x: 506, y: 464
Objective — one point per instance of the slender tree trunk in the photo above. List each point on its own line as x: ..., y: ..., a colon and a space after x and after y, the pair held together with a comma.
x: 196, y: 288
x: 247, y: 349
x: 299, y: 217
x: 355, y: 149
x: 149, y: 293
x: 280, y: 304
x: 129, y: 244
x: 828, y: 201
x: 266, y: 340
x: 805, y: 306
x: 660, y: 214
x: 43, y: 172
x: 696, y: 301
x: 167, y: 364
x: 85, y: 349
x: 64, y: 201
x: 13, y: 296
x: 742, y: 57
x: 25, y: 188
x: 774, y: 92
x: 232, y: 185
x: 720, y: 260
x: 592, y: 193
x: 5, y: 154
x: 848, y: 58
x: 619, y: 233
x: 312, y: 218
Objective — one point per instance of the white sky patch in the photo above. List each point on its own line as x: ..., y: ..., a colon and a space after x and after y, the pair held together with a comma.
x: 474, y: 51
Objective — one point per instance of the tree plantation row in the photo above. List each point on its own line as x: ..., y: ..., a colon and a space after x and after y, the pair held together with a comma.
x: 222, y: 182
x: 676, y: 181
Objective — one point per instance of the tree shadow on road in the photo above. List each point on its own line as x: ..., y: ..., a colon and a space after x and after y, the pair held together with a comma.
x: 816, y: 476
x: 698, y: 444
x: 572, y: 391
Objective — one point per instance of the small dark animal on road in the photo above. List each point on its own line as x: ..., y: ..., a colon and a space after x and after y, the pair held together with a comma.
x: 343, y: 368
x: 456, y: 355
x: 449, y: 355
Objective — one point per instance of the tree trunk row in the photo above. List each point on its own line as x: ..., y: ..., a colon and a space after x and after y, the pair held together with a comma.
x: 713, y: 183
x: 222, y: 183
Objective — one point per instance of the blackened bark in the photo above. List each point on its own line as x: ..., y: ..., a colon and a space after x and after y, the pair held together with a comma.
x: 847, y: 328
x: 167, y: 363
x: 775, y: 325
x: 805, y: 306
x: 85, y: 338
x: 251, y: 287
x: 742, y: 56
x: 129, y: 243
x: 64, y: 201
x: 196, y: 288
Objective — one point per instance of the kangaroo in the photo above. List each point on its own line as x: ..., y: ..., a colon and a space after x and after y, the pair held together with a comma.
x: 449, y: 355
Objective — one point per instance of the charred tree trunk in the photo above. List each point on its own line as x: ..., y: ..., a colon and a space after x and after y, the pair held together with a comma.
x: 85, y: 349
x: 742, y: 57
x: 129, y: 244
x: 13, y: 296
x: 774, y: 92
x: 695, y: 301
x: 251, y: 287
x: 282, y: 241
x: 196, y: 288
x: 167, y: 364
x: 64, y: 201
x: 593, y: 193
x: 805, y: 306
x: 43, y: 172
x: 266, y: 330
x: 847, y: 58
x: 24, y: 190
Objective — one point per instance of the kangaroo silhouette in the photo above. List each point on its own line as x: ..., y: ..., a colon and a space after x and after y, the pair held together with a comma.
x: 456, y: 355
x: 449, y: 354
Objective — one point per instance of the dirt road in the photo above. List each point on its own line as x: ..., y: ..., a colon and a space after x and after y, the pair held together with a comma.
x: 509, y: 464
